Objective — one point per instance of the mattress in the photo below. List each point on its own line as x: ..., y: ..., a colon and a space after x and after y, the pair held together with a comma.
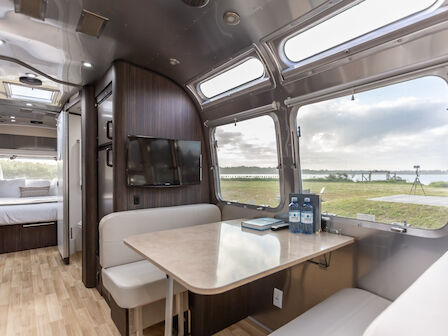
x: 28, y: 210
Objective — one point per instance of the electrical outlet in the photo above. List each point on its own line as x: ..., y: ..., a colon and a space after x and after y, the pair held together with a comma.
x: 278, y: 298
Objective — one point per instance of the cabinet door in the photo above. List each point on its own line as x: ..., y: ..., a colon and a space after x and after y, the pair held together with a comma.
x: 105, y: 116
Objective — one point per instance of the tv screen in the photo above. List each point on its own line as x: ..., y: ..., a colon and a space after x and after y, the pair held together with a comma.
x: 163, y: 162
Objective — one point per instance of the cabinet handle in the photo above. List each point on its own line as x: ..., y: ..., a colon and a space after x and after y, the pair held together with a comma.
x: 108, y: 135
x: 37, y: 224
x: 108, y: 150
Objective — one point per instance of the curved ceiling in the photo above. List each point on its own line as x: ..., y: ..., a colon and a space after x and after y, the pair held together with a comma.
x: 147, y: 33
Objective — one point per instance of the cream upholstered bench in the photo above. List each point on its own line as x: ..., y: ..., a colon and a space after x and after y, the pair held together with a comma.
x: 132, y: 281
x: 419, y: 310
x: 346, y: 313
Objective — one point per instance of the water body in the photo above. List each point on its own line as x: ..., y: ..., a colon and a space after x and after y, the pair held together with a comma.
x: 424, y: 179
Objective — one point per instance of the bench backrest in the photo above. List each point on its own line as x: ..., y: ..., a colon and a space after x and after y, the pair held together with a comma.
x: 116, y: 226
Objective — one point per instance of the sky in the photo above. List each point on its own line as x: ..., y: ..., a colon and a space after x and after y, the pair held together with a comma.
x: 390, y: 128
x: 249, y: 143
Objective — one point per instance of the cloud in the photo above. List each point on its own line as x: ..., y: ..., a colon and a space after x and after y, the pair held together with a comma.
x: 238, y: 149
x: 390, y: 134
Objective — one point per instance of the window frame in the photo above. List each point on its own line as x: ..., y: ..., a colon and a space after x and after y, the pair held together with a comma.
x: 263, y: 82
x: 215, y: 161
x: 54, y: 94
x: 336, y: 55
x: 295, y: 106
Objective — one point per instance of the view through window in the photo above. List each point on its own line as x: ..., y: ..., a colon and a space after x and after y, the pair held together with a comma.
x: 248, y: 162
x: 380, y: 155
x: 28, y: 168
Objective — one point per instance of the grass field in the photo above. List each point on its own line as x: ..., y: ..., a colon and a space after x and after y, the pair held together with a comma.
x: 347, y: 199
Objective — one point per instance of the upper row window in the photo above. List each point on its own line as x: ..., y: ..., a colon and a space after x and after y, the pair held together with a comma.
x: 352, y: 23
x: 245, y: 72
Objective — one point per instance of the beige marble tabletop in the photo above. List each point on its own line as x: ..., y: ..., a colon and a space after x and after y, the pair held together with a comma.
x: 214, y: 258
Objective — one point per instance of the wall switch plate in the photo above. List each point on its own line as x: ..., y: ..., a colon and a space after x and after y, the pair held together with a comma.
x: 278, y: 298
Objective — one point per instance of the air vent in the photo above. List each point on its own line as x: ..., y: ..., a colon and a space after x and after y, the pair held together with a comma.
x: 196, y: 3
x: 26, y: 110
x: 91, y: 24
x: 30, y: 81
x: 33, y: 8
x: 36, y: 122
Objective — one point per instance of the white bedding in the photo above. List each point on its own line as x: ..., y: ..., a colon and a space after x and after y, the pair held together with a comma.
x: 28, y: 210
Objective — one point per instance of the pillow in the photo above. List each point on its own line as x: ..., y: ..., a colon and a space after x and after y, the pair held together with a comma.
x: 10, y: 188
x: 37, y: 183
x: 34, y: 191
x: 53, y: 187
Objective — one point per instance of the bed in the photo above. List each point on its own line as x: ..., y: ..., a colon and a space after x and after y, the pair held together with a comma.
x: 26, y: 222
x: 18, y: 210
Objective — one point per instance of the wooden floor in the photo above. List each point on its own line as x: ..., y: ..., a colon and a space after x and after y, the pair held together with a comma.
x: 40, y: 296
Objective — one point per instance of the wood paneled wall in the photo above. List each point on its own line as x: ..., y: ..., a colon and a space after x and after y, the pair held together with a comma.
x: 149, y: 104
x: 89, y: 186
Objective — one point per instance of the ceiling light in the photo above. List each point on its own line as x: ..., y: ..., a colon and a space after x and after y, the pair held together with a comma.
x: 13, y: 120
x: 174, y: 61
x: 231, y: 18
x: 87, y: 64
x: 30, y: 81
x: 29, y: 104
x: 2, y: 42
x: 12, y: 117
x: 196, y: 3
x: 31, y: 75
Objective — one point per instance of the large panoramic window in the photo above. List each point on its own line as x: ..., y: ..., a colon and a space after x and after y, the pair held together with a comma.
x: 380, y: 155
x: 28, y: 168
x: 248, y: 162
x: 245, y: 72
x: 354, y: 22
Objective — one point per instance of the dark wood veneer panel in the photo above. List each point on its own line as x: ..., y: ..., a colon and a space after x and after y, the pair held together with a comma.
x: 152, y: 105
x: 19, y: 237
x: 89, y: 186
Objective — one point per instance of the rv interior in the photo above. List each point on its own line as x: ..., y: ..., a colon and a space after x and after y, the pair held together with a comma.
x: 221, y: 167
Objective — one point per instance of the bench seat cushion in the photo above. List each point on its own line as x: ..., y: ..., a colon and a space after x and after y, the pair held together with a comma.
x: 421, y: 309
x: 346, y: 313
x: 136, y: 284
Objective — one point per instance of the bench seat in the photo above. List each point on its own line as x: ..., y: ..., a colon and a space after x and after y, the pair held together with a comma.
x: 147, y: 284
x: 346, y: 313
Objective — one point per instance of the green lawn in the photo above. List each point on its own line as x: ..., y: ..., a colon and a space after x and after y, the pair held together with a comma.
x: 347, y: 199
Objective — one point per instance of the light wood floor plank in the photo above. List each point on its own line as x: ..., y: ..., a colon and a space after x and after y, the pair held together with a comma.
x: 40, y: 296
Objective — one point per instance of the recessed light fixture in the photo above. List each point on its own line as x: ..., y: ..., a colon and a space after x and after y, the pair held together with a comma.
x: 2, y: 42
x: 196, y: 3
x: 29, y: 104
x: 31, y: 75
x: 174, y: 61
x: 231, y: 18
x: 86, y: 64
x: 12, y: 117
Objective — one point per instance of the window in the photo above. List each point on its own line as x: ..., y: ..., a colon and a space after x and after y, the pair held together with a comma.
x: 28, y: 168
x: 247, y: 71
x: 352, y: 23
x: 382, y: 156
x: 248, y: 162
x: 16, y: 91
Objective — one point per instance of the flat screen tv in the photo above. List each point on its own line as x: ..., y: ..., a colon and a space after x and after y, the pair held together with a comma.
x: 158, y: 162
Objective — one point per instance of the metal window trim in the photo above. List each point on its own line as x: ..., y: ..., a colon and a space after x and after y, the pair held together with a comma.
x: 267, y: 110
x: 290, y: 71
x: 266, y: 81
x: 295, y: 104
